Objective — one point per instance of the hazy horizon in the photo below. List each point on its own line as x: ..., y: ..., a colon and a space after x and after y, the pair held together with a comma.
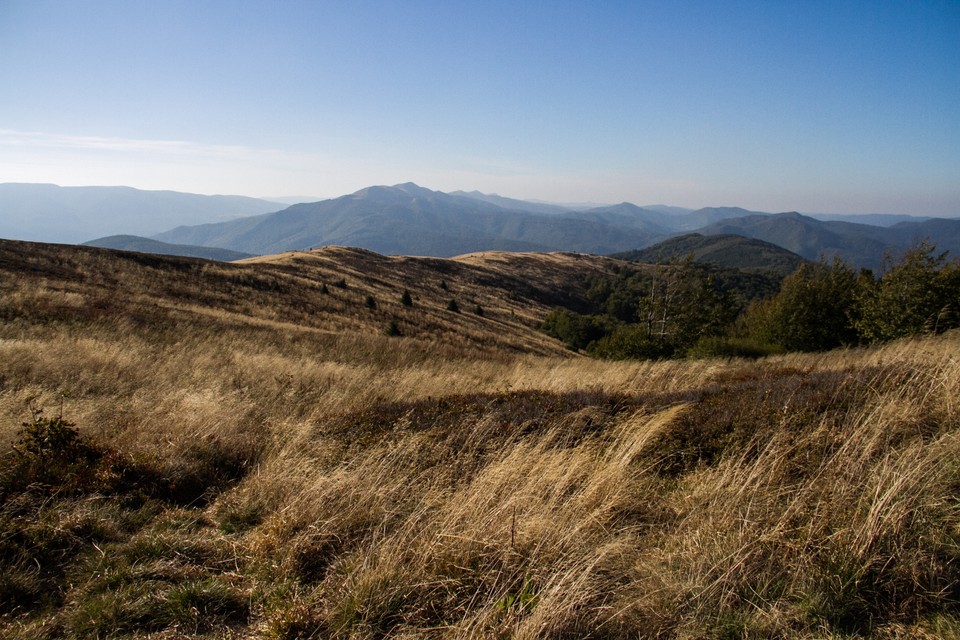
x: 843, y: 108
x: 285, y: 201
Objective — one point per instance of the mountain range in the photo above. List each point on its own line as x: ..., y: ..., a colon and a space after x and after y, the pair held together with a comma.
x: 408, y: 219
x: 411, y: 220
x: 50, y: 213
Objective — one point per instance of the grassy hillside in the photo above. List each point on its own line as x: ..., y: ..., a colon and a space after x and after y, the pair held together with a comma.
x: 256, y: 459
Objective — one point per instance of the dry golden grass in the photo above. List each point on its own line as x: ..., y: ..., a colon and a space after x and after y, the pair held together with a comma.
x: 276, y: 467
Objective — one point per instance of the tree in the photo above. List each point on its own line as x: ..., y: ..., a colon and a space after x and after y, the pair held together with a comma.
x: 577, y: 331
x: 918, y: 294
x: 681, y: 305
x: 406, y: 300
x: 812, y: 311
x: 656, y: 312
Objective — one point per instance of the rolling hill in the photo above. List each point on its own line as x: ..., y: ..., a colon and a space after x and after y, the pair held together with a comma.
x: 408, y: 219
x: 321, y: 292
x: 239, y: 450
x: 859, y: 244
x: 728, y: 251
x: 146, y: 245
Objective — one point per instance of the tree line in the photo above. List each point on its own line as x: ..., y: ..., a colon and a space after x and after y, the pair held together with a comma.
x: 685, y: 309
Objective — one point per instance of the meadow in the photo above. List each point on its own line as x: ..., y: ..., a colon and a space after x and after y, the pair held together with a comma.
x: 196, y: 449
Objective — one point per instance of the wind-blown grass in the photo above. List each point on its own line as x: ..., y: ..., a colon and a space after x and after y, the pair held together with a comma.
x: 287, y: 483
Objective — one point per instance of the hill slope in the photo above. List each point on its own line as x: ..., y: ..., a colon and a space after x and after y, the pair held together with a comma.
x: 725, y: 250
x: 859, y: 244
x: 146, y: 245
x: 239, y: 454
x: 323, y: 291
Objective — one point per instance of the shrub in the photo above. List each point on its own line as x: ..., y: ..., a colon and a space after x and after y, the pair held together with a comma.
x: 632, y: 341
x: 576, y: 330
x: 51, y: 439
x: 453, y: 306
x: 370, y: 302
x: 406, y: 300
x: 51, y: 453
x: 392, y: 329
x: 723, y: 347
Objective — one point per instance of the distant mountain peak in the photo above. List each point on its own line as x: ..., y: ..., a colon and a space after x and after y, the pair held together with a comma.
x: 412, y: 187
x: 393, y: 191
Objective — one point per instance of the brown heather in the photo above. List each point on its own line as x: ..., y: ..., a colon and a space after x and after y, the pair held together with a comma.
x: 264, y: 462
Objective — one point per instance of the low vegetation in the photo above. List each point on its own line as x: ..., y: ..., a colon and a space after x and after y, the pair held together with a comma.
x: 196, y: 456
x: 683, y: 308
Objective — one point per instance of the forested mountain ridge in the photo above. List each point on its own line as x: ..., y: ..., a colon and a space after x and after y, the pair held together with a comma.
x: 859, y: 244
x: 408, y: 219
x: 724, y: 250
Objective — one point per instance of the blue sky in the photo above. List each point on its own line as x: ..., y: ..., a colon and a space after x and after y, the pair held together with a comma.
x: 847, y: 107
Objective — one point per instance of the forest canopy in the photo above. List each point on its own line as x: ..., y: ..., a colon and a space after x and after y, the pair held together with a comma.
x: 687, y: 309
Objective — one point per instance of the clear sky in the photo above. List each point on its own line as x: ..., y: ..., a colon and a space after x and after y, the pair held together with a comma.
x: 777, y: 105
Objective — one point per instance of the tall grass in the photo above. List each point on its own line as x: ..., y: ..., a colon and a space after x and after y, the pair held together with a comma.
x: 257, y: 478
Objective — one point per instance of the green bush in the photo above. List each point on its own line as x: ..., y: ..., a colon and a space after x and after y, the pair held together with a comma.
x: 52, y: 439
x: 576, y: 330
x: 812, y: 311
x: 732, y: 347
x: 919, y: 294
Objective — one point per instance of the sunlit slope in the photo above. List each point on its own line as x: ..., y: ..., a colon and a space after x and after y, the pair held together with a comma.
x: 256, y: 459
x: 500, y: 299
